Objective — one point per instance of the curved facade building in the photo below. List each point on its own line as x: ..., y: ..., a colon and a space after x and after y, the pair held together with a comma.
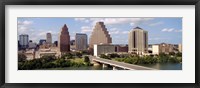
x: 64, y: 40
x: 99, y: 35
x: 138, y: 41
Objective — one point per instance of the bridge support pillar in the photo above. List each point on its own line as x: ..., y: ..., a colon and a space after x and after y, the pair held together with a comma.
x: 96, y: 63
x: 115, y: 68
x: 105, y: 65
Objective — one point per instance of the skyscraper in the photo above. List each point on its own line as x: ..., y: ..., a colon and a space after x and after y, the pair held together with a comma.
x: 81, y: 41
x: 23, y: 40
x: 99, y: 35
x: 64, y: 40
x: 48, y: 38
x: 138, y: 41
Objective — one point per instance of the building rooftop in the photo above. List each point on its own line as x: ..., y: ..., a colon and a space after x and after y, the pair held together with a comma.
x: 137, y: 27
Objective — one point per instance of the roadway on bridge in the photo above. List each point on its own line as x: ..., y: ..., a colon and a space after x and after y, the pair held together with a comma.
x: 119, y: 64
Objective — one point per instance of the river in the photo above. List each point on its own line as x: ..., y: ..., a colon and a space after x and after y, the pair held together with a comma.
x: 159, y: 66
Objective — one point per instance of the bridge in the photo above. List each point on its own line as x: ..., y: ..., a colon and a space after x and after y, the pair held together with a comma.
x: 116, y: 65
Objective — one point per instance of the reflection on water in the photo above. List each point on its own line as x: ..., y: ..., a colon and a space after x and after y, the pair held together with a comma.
x: 82, y: 68
x: 164, y: 66
x: 159, y: 66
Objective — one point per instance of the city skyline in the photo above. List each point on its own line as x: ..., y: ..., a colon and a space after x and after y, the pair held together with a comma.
x: 168, y: 30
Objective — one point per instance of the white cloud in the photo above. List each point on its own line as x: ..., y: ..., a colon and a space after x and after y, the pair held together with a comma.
x: 170, y: 30
x: 24, y: 26
x: 82, y: 20
x: 125, y: 32
x: 155, y: 24
x: 132, y: 24
x: 114, y: 31
x: 178, y: 30
x: 86, y: 21
x: 167, y: 29
x: 111, y: 21
x: 72, y: 37
x: 79, y: 19
x: 117, y: 31
x: 26, y: 22
x: 85, y: 29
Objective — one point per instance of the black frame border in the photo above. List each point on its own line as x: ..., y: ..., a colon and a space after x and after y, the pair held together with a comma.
x: 99, y: 2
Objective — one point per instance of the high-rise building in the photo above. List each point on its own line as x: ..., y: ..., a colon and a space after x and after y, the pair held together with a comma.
x: 23, y: 40
x: 138, y: 41
x: 81, y: 41
x: 99, y: 35
x: 48, y: 38
x: 64, y: 40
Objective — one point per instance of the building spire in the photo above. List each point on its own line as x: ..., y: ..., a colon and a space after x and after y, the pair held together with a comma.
x: 64, y: 29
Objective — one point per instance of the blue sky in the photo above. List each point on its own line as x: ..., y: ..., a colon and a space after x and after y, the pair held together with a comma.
x: 168, y: 30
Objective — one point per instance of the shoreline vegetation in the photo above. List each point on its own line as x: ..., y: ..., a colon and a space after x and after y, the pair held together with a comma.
x: 79, y: 59
x: 148, y: 59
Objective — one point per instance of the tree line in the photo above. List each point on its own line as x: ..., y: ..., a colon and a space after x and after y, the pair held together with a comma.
x: 148, y: 59
x: 49, y: 61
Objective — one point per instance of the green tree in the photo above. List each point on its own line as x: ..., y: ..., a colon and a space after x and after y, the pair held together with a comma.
x: 86, y: 59
x: 172, y: 53
x: 104, y: 56
x: 78, y: 54
x: 179, y: 54
x: 21, y: 57
x: 113, y: 55
x: 67, y: 56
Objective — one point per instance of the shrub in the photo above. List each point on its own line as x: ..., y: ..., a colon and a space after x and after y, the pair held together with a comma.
x: 21, y: 57
x: 104, y: 56
x: 86, y: 59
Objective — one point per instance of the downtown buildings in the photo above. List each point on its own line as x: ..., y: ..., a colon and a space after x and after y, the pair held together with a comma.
x: 100, y: 42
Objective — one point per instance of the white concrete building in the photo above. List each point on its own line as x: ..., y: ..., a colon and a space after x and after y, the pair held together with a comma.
x: 155, y: 49
x: 103, y: 49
